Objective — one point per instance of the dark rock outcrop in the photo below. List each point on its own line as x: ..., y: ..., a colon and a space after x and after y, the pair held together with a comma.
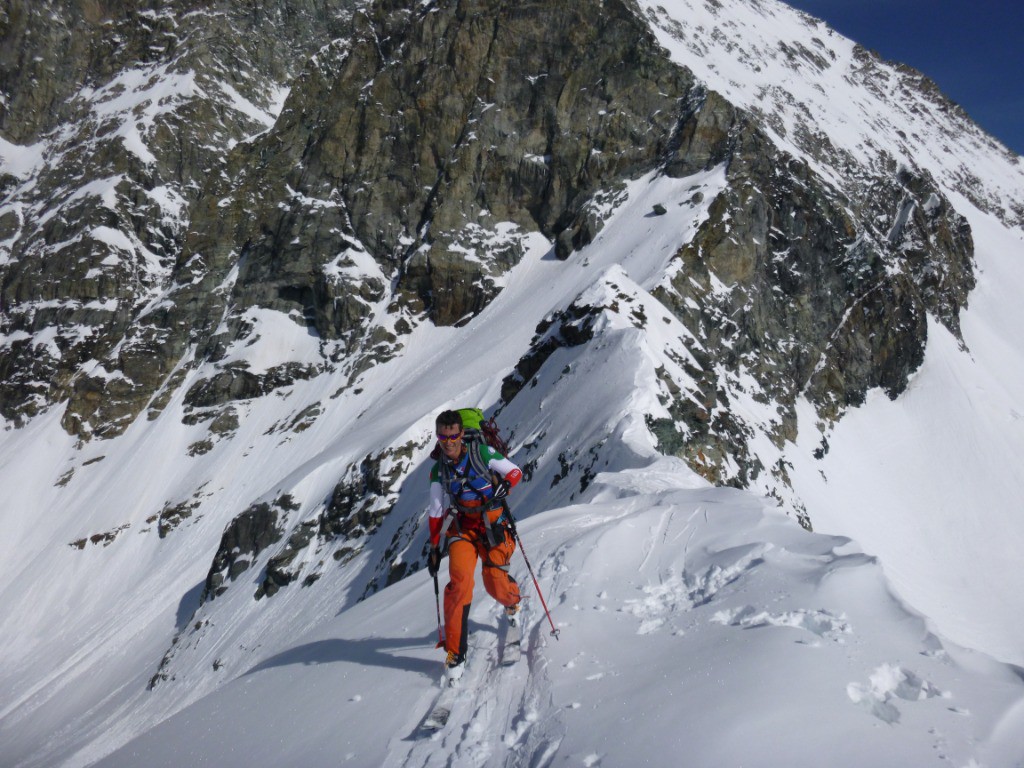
x: 408, y: 161
x: 123, y: 112
x: 244, y: 539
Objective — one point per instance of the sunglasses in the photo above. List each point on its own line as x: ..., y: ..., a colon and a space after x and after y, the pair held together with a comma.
x: 448, y: 438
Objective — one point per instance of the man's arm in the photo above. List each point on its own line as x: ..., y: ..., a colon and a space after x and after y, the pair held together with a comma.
x: 503, y: 468
x: 435, y: 512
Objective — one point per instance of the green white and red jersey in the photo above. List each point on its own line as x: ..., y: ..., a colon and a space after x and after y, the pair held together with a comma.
x: 468, y: 490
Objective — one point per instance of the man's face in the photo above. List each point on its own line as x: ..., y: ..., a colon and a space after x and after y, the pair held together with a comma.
x: 450, y: 438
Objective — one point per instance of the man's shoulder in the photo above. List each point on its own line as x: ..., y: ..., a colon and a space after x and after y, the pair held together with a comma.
x: 487, y: 453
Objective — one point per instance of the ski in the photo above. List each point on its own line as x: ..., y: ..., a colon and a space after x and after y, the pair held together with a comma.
x: 513, y: 650
x: 441, y: 710
x: 439, y: 713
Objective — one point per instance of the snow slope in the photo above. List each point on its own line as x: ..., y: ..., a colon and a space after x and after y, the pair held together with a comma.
x: 942, y: 510
x: 697, y: 627
x: 79, y: 668
x: 695, y: 622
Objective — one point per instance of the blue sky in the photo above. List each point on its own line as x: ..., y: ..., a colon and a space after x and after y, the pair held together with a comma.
x: 973, y: 50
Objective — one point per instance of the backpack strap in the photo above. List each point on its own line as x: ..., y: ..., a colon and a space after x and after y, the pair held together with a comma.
x: 449, y: 518
x: 475, y: 444
x: 496, y: 531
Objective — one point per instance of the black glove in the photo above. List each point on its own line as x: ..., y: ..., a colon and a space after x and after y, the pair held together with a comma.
x: 501, y: 489
x: 434, y: 561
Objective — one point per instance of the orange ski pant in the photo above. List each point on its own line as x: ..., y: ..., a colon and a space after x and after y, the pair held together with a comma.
x: 464, y: 549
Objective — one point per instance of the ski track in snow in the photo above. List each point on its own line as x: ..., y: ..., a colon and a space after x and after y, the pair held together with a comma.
x: 497, y: 719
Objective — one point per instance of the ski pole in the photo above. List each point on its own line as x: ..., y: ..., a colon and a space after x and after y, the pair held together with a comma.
x: 536, y: 584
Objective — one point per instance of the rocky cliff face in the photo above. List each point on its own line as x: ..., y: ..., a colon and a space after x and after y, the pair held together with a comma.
x: 796, y: 288
x: 116, y: 116
x: 391, y: 189
x: 167, y: 197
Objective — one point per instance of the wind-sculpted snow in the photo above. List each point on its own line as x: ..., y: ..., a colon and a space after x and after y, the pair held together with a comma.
x: 890, y: 682
x: 692, y: 621
x: 820, y: 623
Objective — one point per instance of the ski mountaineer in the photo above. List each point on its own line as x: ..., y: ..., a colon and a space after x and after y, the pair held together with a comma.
x: 474, y: 525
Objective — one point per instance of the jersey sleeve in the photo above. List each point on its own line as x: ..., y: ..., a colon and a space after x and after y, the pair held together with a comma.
x: 435, y: 507
x: 502, y: 467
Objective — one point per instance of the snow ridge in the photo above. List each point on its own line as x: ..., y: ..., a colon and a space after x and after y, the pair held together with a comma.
x: 750, y: 626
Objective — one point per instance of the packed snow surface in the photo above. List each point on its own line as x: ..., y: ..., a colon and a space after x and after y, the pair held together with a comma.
x: 693, y: 622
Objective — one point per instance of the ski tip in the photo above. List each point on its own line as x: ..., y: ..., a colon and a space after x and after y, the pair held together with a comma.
x: 430, y: 726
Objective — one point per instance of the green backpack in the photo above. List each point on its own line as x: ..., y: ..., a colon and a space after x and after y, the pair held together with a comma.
x: 472, y: 418
x: 477, y: 428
